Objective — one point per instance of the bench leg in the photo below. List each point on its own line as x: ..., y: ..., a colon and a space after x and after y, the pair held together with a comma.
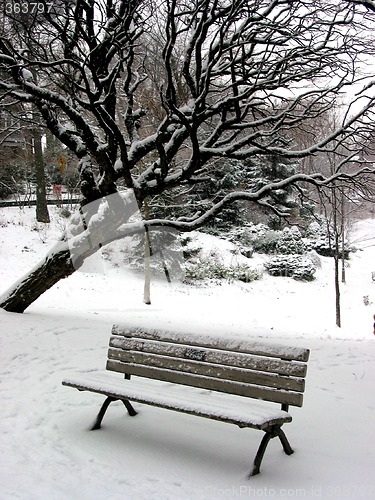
x: 103, y: 409
x: 129, y: 407
x: 284, y: 441
x: 260, y: 453
x: 273, y: 432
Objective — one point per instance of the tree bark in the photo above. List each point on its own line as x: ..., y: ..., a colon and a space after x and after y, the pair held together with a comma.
x: 54, y: 267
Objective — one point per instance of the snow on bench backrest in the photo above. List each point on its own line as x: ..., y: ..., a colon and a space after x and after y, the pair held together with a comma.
x: 237, y: 345
x: 242, y: 367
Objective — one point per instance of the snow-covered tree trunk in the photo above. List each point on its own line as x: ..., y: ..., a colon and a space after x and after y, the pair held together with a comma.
x: 91, y: 227
x: 54, y: 267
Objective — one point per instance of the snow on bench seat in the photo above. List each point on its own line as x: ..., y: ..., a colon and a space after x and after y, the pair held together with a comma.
x: 223, y: 407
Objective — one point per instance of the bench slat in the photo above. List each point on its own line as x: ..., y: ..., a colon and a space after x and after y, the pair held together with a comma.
x: 208, y: 369
x: 225, y: 408
x: 214, y: 356
x: 227, y: 386
x: 236, y: 345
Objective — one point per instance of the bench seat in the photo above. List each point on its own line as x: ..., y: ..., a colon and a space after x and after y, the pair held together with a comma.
x: 223, y: 407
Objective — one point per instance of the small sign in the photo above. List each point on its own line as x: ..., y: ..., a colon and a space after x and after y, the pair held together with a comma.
x: 61, y: 163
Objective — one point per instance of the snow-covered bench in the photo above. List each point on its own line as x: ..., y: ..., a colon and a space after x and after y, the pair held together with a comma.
x: 222, y: 374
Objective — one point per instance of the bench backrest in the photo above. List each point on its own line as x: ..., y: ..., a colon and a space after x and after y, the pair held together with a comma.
x: 245, y: 368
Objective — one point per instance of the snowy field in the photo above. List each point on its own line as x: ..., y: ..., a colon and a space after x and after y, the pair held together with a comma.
x: 47, y: 451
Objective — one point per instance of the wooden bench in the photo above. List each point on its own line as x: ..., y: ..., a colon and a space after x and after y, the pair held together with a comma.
x: 222, y: 374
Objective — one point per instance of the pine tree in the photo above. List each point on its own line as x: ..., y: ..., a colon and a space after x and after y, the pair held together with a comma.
x: 266, y: 170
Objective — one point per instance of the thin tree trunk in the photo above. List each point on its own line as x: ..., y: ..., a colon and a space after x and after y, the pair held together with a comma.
x: 147, y: 268
x: 42, y: 214
x: 343, y: 273
x: 337, y: 291
x: 336, y: 231
x: 337, y: 261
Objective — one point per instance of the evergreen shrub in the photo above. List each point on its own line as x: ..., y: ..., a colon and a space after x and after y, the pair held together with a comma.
x: 290, y: 241
x: 265, y: 242
x: 318, y: 240
x: 293, y: 266
x: 213, y: 268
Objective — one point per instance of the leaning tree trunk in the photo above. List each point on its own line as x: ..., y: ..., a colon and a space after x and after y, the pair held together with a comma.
x: 85, y: 235
x: 56, y: 266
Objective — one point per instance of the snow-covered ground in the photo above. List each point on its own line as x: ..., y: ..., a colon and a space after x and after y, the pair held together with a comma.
x: 47, y: 451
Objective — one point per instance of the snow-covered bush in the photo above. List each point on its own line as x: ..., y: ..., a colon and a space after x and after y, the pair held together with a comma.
x: 315, y: 230
x: 326, y: 248
x: 253, y: 237
x: 212, y: 267
x: 242, y: 272
x: 294, y: 266
x: 290, y: 241
x: 265, y: 242
x: 205, y: 267
x: 323, y: 247
x: 318, y: 240
x: 287, y: 241
x: 244, y: 234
